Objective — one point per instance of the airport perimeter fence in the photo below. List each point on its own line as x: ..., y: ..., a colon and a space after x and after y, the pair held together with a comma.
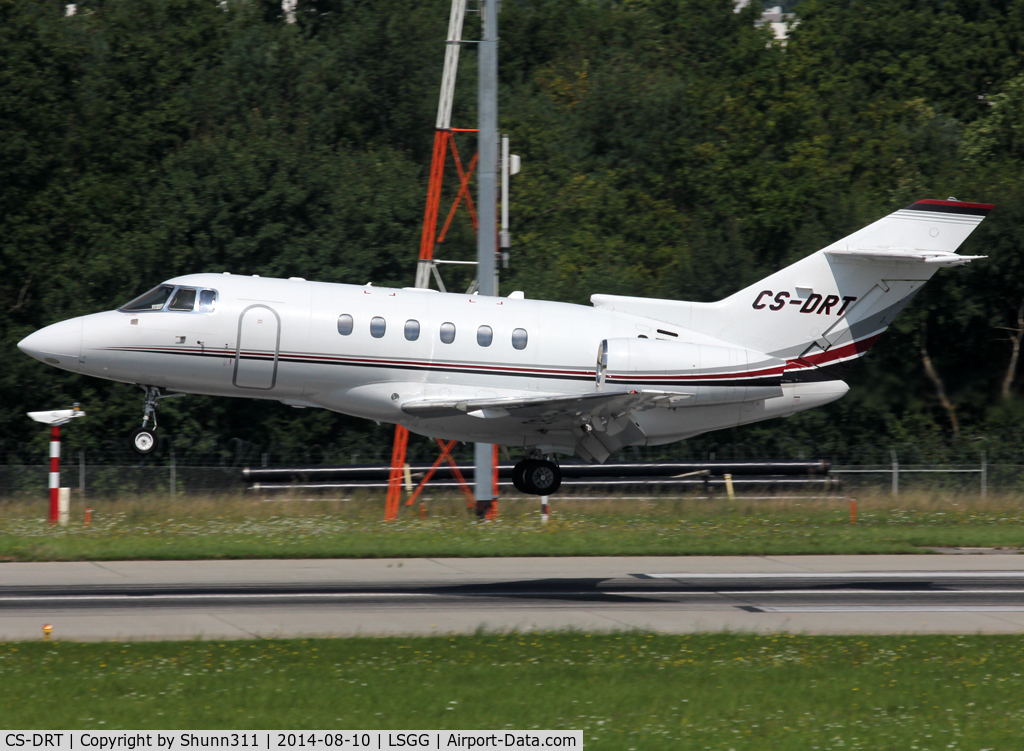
x: 120, y: 481
x: 126, y: 481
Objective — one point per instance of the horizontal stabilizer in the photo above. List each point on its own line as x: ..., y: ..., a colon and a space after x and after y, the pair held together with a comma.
x: 941, y: 258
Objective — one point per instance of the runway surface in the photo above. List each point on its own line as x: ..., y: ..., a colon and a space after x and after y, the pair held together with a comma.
x: 252, y: 599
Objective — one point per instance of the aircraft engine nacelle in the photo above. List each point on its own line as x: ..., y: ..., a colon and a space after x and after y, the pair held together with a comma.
x: 711, y: 374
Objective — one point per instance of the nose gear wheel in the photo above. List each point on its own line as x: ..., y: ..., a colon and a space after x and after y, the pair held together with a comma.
x: 143, y: 440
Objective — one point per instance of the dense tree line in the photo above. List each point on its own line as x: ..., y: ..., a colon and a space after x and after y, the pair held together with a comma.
x: 670, y: 149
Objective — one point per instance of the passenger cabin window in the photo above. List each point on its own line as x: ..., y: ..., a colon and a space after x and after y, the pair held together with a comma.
x: 484, y: 336
x: 447, y: 332
x: 412, y: 330
x: 344, y: 324
x: 207, y: 300
x: 519, y: 338
x: 155, y: 299
x: 184, y: 300
x: 377, y: 327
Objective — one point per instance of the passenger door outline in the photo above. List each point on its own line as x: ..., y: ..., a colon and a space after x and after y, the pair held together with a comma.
x: 252, y: 370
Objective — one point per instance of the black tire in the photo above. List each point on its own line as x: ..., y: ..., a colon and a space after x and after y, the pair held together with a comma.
x: 143, y: 441
x: 517, y: 476
x: 541, y: 477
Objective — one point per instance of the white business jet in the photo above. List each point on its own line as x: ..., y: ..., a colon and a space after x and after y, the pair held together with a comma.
x: 551, y: 378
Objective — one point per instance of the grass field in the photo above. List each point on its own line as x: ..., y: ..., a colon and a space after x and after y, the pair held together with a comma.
x: 625, y: 691
x: 231, y: 527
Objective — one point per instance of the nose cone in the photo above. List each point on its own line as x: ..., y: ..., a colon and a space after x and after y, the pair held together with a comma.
x: 59, y: 345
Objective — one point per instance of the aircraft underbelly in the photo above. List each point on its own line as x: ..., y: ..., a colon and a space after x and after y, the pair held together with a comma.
x: 658, y: 425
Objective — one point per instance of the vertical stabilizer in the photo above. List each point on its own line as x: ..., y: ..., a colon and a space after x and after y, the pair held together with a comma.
x: 831, y: 306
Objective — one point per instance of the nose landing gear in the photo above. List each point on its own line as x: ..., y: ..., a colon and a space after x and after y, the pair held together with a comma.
x: 536, y: 476
x: 143, y: 439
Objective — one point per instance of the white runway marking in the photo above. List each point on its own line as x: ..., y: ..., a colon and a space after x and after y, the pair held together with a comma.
x: 158, y: 596
x: 308, y: 595
x: 896, y: 592
x: 893, y: 609
x: 849, y: 575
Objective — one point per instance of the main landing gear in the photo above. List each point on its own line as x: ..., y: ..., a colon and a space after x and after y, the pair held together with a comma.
x: 143, y: 439
x: 535, y: 476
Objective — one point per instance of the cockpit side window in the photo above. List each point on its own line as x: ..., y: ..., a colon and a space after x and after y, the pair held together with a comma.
x: 184, y: 300
x: 207, y: 300
x: 155, y: 299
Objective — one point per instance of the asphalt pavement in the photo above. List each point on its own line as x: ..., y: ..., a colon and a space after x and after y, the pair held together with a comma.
x: 289, y: 598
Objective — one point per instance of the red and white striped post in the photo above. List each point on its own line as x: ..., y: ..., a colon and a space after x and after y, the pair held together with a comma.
x: 54, y: 474
x: 56, y: 418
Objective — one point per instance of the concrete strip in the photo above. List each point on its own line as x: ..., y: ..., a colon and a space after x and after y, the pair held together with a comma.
x: 472, y: 569
x: 138, y: 625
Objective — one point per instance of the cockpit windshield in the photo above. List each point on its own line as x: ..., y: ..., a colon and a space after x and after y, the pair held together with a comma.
x: 155, y: 299
x: 182, y: 300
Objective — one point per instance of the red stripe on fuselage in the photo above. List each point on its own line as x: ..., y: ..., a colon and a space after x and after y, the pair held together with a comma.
x: 853, y: 349
x: 966, y: 205
x: 294, y: 357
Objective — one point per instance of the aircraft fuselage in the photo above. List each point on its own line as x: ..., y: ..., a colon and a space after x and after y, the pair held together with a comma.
x: 367, y: 351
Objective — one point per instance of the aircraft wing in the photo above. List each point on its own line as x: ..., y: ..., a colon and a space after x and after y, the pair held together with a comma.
x: 601, y: 422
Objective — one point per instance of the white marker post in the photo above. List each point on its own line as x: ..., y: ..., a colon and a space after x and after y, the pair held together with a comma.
x: 55, y: 419
x: 63, y: 506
